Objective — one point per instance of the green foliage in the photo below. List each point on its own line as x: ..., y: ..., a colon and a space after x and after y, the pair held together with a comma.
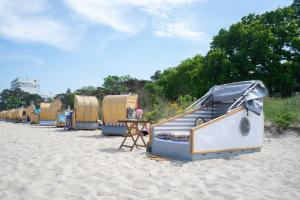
x: 113, y: 84
x: 163, y: 109
x: 10, y: 99
x: 13, y: 102
x: 87, y: 91
x: 67, y: 98
x: 264, y: 47
x: 184, y: 101
x: 284, y: 120
x: 218, y: 70
x: 180, y: 80
x: 156, y: 75
x: 282, y: 111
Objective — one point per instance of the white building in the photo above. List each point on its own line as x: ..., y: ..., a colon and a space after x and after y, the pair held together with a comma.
x: 26, y: 84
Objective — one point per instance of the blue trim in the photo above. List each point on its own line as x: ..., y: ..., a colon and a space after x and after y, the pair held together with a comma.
x: 171, y: 149
x: 114, y: 130
x: 86, y: 126
x: 47, y: 123
x: 181, y: 151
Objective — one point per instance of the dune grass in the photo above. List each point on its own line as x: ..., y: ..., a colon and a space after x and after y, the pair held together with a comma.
x: 282, y: 112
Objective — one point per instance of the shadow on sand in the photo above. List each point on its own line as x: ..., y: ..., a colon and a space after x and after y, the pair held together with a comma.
x: 97, y: 136
x: 38, y: 126
x: 112, y: 150
x: 62, y: 131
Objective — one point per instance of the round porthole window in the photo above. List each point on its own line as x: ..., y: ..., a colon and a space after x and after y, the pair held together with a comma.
x: 245, y: 126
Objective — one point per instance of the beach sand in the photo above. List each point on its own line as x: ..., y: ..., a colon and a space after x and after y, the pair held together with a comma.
x: 49, y: 163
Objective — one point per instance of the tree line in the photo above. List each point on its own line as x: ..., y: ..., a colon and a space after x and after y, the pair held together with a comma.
x: 10, y: 99
x: 264, y: 47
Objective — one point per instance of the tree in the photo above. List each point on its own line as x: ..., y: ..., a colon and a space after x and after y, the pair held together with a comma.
x: 264, y: 47
x: 156, y: 75
x: 10, y: 99
x: 218, y: 70
x: 114, y: 84
x: 66, y: 98
x: 180, y: 80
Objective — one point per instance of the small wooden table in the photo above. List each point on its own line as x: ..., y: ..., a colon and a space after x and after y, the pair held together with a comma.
x: 132, y: 126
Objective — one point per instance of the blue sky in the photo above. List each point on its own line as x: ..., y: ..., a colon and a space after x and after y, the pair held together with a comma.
x: 75, y: 43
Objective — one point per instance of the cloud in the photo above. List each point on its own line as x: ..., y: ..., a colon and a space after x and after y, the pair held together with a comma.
x: 121, y: 15
x: 39, y: 21
x: 35, y: 61
x: 179, y: 29
x: 104, y: 42
x: 161, y: 8
x: 110, y: 13
x: 29, y: 21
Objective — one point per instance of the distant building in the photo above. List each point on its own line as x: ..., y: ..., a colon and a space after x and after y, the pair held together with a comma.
x: 26, y: 84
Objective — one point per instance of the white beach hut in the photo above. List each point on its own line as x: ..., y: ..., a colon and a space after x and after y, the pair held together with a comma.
x: 226, y: 121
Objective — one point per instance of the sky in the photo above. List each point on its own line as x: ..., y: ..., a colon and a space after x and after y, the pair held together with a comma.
x: 76, y: 43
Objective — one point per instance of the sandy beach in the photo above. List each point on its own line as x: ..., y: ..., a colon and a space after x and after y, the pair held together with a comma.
x: 49, y: 163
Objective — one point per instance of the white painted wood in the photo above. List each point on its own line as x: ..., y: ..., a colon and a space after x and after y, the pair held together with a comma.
x: 225, y: 133
x: 182, y: 123
x: 171, y: 129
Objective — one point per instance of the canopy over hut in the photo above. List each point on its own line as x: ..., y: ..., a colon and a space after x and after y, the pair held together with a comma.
x: 116, y: 108
x: 85, y: 114
x: 228, y: 120
x: 49, y: 112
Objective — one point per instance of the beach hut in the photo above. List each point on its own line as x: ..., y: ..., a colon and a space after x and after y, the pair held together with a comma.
x: 29, y: 112
x: 17, y: 114
x: 48, y: 113
x: 13, y: 115
x: 115, y: 108
x: 4, y: 115
x: 9, y: 115
x: 32, y: 114
x: 85, y: 113
x: 227, y: 121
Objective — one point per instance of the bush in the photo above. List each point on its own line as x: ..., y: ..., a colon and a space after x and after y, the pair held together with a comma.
x: 282, y: 111
x: 164, y: 109
x: 153, y: 116
x: 284, y: 120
